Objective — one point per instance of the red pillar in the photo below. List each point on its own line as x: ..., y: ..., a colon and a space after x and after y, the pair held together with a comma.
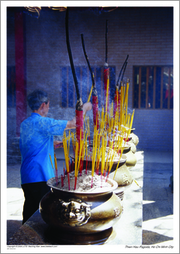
x: 20, y: 71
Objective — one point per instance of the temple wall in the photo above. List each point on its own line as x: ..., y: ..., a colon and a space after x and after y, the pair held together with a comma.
x: 146, y: 34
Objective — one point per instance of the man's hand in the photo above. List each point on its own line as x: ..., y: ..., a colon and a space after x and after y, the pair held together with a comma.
x: 71, y: 124
x: 86, y: 107
x: 58, y: 144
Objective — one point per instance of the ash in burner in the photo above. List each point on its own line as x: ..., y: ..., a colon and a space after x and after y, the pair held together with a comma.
x: 85, y: 183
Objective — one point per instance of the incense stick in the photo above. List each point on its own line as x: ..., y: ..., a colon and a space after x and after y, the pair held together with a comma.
x: 56, y: 169
x: 51, y: 161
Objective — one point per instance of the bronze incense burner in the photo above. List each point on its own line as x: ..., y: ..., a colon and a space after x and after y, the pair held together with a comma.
x: 81, y: 214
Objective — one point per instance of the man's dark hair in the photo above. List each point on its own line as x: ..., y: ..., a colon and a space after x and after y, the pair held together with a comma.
x: 36, y: 98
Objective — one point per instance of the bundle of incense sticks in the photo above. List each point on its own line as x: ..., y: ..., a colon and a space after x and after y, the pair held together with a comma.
x: 81, y: 152
x: 90, y: 94
x: 94, y: 150
x: 76, y: 162
x: 73, y: 142
x: 126, y: 97
x: 98, y: 153
x: 51, y: 161
x: 116, y: 101
x: 112, y: 131
x: 121, y: 117
x: 87, y: 130
x: 79, y: 156
x: 102, y: 155
x: 56, y: 169
x: 66, y: 154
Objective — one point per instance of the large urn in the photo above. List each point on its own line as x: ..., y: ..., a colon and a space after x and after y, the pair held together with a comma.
x: 134, y: 137
x: 81, y: 215
x: 131, y: 157
x: 123, y: 177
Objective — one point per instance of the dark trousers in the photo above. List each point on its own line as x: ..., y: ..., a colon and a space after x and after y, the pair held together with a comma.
x: 33, y: 193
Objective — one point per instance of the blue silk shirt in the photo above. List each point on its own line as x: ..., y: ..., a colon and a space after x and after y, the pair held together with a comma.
x: 36, y: 146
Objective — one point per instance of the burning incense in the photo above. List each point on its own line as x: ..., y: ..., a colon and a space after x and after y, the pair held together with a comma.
x: 56, y: 169
x: 116, y: 101
x: 102, y: 155
x: 80, y: 151
x: 64, y: 171
x: 62, y: 181
x: 122, y: 149
x: 66, y: 154
x: 51, y: 161
x: 90, y: 94
x: 79, y: 121
x: 94, y: 149
x: 126, y: 96
x: 121, y: 106
x: 130, y: 126
x: 110, y: 164
x: 76, y: 161
x: 95, y: 109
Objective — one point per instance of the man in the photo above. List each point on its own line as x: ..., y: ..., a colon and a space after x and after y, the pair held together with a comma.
x: 36, y: 146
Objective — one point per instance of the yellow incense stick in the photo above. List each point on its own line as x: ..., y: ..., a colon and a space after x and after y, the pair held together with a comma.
x: 76, y: 159
x: 69, y: 142
x: 112, y: 160
x: 66, y: 152
x: 111, y: 110
x: 137, y: 183
x: 102, y: 119
x: 90, y: 94
x: 130, y: 126
x: 94, y: 148
x: 55, y: 160
x: 121, y: 106
x: 123, y: 94
x: 88, y: 130
x: 73, y: 141
x: 122, y: 149
x: 109, y: 157
x: 102, y: 155
x: 126, y: 97
x: 117, y: 97
x: 51, y: 161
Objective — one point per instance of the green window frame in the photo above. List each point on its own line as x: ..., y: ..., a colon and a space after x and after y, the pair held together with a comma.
x: 153, y: 87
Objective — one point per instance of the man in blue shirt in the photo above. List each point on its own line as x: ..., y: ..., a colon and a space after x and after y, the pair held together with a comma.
x: 36, y: 146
